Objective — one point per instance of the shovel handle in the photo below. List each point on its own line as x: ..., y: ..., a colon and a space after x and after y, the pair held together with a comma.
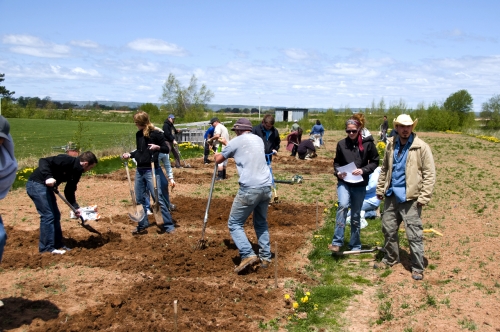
x: 68, y: 203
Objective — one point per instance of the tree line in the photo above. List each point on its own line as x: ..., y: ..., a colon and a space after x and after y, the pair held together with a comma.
x: 189, y: 104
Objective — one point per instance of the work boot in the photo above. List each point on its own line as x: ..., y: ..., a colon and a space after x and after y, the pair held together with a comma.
x: 220, y: 176
x: 139, y: 231
x: 333, y: 248
x: 264, y: 263
x: 246, y: 262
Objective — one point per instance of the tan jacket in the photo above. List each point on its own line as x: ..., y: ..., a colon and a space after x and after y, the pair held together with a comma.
x: 420, y: 171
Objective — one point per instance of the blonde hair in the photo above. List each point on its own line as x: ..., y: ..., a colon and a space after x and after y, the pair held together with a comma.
x: 142, y: 119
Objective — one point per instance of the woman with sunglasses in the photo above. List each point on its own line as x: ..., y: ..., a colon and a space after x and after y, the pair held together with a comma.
x: 358, y: 149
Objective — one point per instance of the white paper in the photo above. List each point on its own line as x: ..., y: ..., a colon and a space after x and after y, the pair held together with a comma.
x: 348, y: 169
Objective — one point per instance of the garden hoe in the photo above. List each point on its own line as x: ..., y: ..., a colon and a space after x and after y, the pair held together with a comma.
x: 135, y: 212
x: 202, y: 243
x: 82, y: 223
x: 156, y: 204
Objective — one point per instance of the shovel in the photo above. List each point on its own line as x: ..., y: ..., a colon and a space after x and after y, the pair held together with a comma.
x: 82, y: 223
x: 179, y: 152
x: 355, y: 252
x: 156, y: 205
x: 202, y: 243
x: 136, y: 212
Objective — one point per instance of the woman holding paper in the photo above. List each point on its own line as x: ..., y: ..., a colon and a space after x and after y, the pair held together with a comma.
x: 355, y: 159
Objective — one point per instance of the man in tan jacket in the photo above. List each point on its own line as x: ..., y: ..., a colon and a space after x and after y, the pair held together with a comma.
x: 406, y: 182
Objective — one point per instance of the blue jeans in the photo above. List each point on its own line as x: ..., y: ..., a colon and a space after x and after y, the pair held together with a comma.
x: 348, y: 196
x: 3, y: 238
x: 250, y: 200
x: 144, y: 186
x: 370, y: 210
x: 50, y: 217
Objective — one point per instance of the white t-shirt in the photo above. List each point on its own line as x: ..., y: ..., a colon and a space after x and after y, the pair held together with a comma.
x: 221, y: 130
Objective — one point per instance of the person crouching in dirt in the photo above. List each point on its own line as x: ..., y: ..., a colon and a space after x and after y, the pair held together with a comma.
x: 51, y: 172
x: 150, y: 142
x: 8, y: 169
x: 293, y: 140
x: 220, y: 131
x: 406, y: 182
x: 253, y: 195
x: 306, y: 149
x: 362, y: 152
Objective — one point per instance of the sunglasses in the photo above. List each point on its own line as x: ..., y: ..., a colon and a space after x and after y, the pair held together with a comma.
x: 351, y: 131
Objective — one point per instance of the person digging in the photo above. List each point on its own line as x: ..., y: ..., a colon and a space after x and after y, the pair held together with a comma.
x: 254, y: 194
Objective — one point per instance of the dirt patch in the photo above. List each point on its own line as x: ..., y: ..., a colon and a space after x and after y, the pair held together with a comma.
x: 112, y: 280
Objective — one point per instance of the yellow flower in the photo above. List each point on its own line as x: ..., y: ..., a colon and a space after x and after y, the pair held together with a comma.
x: 295, y: 305
x: 287, y: 297
x: 336, y: 204
x: 308, y: 294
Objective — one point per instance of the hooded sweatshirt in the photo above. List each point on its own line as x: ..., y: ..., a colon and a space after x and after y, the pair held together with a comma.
x: 8, y: 166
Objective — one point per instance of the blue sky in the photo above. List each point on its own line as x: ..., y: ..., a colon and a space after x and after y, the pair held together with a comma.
x: 281, y: 53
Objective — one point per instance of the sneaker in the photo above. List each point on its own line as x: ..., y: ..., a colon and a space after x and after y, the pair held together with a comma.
x: 307, y: 158
x: 139, y: 231
x: 333, y: 248
x: 264, y: 263
x: 66, y: 248
x: 246, y: 262
x: 417, y: 276
x: 58, y: 252
x: 381, y: 266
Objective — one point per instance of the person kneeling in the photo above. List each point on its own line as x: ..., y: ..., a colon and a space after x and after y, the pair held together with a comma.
x: 306, y: 149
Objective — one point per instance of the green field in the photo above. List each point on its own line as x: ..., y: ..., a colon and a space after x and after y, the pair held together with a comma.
x: 36, y: 138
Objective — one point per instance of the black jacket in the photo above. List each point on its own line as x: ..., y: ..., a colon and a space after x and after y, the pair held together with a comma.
x: 143, y: 154
x: 169, y: 131
x: 348, y: 151
x: 273, y: 143
x: 63, y: 168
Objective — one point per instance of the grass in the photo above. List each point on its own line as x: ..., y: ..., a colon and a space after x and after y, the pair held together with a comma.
x: 36, y: 138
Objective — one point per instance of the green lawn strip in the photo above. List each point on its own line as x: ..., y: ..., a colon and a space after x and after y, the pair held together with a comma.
x: 338, y: 281
x: 36, y: 138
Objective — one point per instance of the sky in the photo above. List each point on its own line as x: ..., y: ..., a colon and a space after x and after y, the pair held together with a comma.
x: 313, y: 54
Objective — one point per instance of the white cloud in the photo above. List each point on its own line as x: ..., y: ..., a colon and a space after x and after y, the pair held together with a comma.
x: 81, y: 71
x: 84, y: 43
x: 296, y: 54
x: 33, y: 46
x: 144, y: 88
x: 157, y: 46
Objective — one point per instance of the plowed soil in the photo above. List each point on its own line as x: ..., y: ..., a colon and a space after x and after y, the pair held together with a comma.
x: 112, y: 280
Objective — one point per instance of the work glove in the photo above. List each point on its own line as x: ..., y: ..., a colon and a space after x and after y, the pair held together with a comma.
x: 50, y: 182
x: 172, y: 183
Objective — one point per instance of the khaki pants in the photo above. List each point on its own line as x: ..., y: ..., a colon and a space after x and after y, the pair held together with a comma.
x: 409, y: 213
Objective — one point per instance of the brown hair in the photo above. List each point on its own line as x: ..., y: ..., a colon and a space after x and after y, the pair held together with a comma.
x: 89, y: 157
x: 358, y: 118
x: 142, y: 119
x: 268, y: 118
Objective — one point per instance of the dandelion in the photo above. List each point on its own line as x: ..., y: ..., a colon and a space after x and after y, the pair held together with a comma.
x: 287, y: 297
x: 295, y: 305
x: 308, y: 294
x: 304, y: 299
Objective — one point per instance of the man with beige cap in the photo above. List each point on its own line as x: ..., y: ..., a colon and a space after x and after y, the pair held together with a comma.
x: 406, y: 182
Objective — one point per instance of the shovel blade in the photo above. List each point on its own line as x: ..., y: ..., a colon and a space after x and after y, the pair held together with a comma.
x: 136, y: 213
x: 157, y: 214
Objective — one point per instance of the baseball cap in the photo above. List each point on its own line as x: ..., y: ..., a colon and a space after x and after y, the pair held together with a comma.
x: 212, y: 120
x: 4, y: 127
x: 171, y: 116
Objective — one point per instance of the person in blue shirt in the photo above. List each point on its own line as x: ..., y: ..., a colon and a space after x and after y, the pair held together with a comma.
x: 318, y: 129
x: 371, y: 202
x: 207, y: 146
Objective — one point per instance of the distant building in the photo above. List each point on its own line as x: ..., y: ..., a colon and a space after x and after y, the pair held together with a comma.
x: 283, y: 114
